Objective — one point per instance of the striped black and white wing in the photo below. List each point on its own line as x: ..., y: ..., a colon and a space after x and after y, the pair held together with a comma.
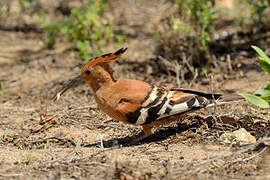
x: 161, y: 103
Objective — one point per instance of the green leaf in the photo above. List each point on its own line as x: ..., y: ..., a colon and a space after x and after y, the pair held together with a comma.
x: 120, y: 38
x: 95, y: 36
x: 265, y: 66
x: 262, y: 92
x: 268, y: 85
x: 2, y: 87
x: 266, y: 98
x: 262, y: 54
x: 257, y: 101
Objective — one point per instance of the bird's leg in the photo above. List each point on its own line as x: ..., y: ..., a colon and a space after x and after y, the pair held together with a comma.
x: 147, y: 132
x: 147, y: 128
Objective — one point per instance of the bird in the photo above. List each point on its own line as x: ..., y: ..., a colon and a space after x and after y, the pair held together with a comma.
x: 137, y: 102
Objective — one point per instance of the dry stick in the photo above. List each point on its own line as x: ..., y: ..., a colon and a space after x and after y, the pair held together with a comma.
x: 194, y: 78
x: 185, y: 60
x: 246, y: 149
x: 10, y: 175
x: 229, y: 63
x: 92, y: 163
x: 175, y: 67
x: 213, y: 92
x: 60, y: 159
x: 84, y: 107
x: 251, y: 157
x: 78, y: 147
x: 50, y: 154
x: 75, y: 151
x: 165, y: 61
x: 193, y: 70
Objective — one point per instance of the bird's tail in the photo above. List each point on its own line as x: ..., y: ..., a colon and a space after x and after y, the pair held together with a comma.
x: 224, y: 100
x: 213, y: 99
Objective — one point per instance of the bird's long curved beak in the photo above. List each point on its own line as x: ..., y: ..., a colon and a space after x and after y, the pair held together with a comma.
x: 71, y: 83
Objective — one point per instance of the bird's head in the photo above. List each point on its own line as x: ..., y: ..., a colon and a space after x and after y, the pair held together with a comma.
x: 98, y: 69
x: 94, y: 72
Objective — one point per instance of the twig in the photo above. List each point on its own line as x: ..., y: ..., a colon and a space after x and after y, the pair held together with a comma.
x: 78, y: 149
x: 251, y: 157
x: 186, y: 61
x: 10, y: 175
x: 214, y: 158
x: 50, y: 154
x: 93, y: 163
x: 194, y: 78
x: 229, y: 63
x: 175, y: 67
x: 85, y: 107
x: 178, y: 68
x: 212, y: 88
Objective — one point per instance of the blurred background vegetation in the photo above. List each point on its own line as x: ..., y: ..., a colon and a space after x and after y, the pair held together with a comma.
x: 88, y: 25
x: 192, y: 37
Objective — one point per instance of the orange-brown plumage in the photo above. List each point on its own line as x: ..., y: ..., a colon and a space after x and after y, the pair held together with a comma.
x: 137, y: 102
x: 121, y: 97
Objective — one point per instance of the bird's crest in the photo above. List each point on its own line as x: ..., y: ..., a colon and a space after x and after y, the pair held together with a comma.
x: 106, y: 58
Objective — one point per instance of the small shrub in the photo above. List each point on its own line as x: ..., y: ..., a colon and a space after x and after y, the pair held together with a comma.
x: 252, y: 13
x: 258, y: 8
x: 29, y: 5
x: 51, y: 29
x: 30, y: 158
x: 46, y: 145
x: 85, y: 27
x: 184, y: 36
x: 199, y: 13
x: 7, y: 136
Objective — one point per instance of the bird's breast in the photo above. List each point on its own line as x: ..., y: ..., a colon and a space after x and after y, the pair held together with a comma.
x: 110, y: 110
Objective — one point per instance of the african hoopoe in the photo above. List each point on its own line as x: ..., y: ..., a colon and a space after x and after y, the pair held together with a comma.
x: 137, y: 102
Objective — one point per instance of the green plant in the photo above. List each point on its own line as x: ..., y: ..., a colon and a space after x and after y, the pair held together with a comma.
x: 252, y: 12
x: 2, y: 88
x: 261, y: 97
x: 85, y: 27
x: 75, y: 142
x: 1, y: 9
x: 30, y: 158
x: 46, y: 145
x: 7, y: 135
x: 51, y: 29
x: 200, y: 14
x: 258, y: 8
x: 27, y: 5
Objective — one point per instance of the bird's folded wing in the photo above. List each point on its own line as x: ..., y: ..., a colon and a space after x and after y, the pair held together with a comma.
x: 161, y: 103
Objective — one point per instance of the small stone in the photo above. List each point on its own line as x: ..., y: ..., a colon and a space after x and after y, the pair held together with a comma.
x: 240, y: 136
x: 58, y: 134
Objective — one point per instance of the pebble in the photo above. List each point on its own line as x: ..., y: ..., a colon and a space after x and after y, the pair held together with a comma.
x: 240, y: 136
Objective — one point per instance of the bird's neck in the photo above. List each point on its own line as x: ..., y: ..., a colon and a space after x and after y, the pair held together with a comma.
x: 103, y: 78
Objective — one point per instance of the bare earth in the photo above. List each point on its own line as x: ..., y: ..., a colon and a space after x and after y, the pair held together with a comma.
x: 72, y: 139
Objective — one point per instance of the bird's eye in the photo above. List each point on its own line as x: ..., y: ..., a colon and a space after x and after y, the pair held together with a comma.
x: 87, y: 72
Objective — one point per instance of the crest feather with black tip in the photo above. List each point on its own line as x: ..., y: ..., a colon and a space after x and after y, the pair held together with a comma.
x: 106, y: 58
